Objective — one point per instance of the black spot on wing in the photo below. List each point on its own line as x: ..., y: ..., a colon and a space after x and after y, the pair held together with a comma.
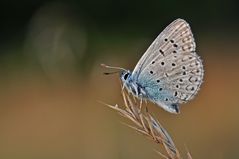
x: 162, y: 52
x: 175, y: 106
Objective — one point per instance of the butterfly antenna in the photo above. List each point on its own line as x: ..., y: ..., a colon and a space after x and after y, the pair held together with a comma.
x: 109, y: 73
x: 111, y: 67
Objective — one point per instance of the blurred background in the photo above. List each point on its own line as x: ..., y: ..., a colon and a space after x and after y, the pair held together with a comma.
x: 51, y: 81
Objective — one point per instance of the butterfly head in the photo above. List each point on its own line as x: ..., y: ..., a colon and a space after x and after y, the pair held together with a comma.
x: 124, y: 75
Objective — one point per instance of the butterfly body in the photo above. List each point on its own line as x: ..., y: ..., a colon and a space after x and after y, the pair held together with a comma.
x: 170, y: 72
x: 132, y: 86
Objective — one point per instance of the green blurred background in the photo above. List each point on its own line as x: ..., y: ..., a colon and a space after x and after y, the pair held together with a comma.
x: 50, y: 79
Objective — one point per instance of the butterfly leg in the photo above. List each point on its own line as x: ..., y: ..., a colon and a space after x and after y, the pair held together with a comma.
x: 134, y: 98
x: 123, y: 87
x: 141, y: 103
x: 145, y: 100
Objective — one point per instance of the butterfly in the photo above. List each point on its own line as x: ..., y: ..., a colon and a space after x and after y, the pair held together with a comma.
x: 170, y: 72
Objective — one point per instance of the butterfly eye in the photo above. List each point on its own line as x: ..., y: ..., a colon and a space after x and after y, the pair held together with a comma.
x: 126, y: 76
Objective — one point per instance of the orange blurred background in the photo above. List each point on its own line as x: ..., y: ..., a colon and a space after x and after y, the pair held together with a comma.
x: 51, y: 79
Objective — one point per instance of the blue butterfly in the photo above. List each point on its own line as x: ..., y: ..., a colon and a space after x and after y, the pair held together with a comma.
x: 170, y: 72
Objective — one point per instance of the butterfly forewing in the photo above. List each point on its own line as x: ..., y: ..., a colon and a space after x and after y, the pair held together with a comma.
x: 170, y: 70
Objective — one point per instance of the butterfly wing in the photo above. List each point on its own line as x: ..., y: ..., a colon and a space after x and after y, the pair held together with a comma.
x: 170, y: 71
